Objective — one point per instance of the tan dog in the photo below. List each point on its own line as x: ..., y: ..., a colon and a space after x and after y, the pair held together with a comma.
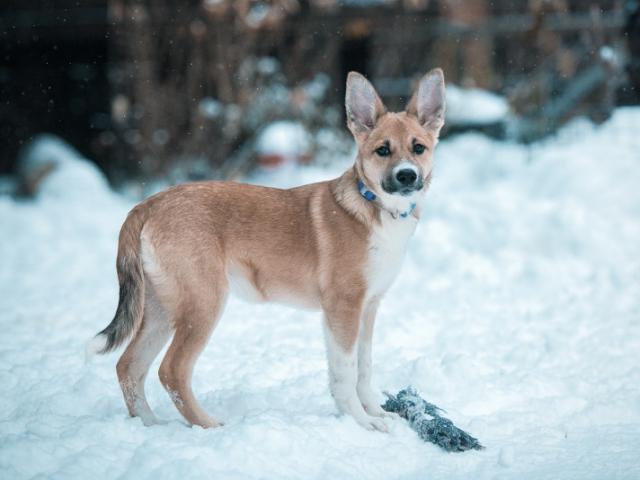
x: 334, y: 246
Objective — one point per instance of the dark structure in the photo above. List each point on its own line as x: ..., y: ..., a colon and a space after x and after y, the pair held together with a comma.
x: 53, y: 75
x: 147, y: 86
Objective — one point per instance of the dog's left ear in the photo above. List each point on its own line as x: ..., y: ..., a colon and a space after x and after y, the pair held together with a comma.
x: 428, y: 101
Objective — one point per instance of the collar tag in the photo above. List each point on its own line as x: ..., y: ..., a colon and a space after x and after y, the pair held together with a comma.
x: 412, y: 207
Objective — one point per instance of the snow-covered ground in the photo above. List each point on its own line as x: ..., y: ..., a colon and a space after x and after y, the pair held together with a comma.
x: 517, y: 311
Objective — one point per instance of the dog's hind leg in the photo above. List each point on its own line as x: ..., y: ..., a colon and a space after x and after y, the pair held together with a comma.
x: 197, y: 317
x: 134, y: 363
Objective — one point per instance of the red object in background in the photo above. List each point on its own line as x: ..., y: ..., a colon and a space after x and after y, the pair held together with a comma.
x: 271, y: 160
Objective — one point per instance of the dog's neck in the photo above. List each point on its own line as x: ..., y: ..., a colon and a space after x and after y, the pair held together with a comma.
x: 351, y: 192
x: 370, y: 196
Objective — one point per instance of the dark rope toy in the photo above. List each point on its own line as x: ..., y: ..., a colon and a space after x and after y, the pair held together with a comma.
x: 424, y: 418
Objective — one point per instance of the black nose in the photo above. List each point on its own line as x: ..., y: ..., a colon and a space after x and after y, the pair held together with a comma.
x: 406, y: 176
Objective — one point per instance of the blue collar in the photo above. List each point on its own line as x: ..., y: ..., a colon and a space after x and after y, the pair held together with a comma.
x: 369, y: 196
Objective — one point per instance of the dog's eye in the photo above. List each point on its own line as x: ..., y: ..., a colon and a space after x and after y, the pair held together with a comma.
x: 419, y: 148
x: 383, y: 151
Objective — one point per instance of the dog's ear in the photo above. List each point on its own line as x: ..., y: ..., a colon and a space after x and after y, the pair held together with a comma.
x: 428, y: 102
x: 363, y: 104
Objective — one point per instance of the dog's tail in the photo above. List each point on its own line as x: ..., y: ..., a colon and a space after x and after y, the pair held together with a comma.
x: 128, y: 316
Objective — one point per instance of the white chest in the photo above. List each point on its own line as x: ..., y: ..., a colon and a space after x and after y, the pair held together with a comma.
x: 387, y: 247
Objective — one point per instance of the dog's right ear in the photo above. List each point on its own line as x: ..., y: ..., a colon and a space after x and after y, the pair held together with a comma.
x: 363, y: 104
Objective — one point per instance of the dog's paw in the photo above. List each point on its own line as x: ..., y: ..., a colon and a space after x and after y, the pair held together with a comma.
x: 376, y: 410
x: 391, y: 415
x: 374, y: 424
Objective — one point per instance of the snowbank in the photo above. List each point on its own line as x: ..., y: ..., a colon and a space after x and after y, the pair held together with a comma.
x: 518, y: 311
x: 71, y: 178
x: 474, y: 106
x: 283, y: 144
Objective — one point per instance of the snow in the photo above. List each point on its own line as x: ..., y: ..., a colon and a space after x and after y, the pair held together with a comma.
x: 517, y: 311
x: 475, y: 106
x: 210, y: 108
x: 284, y: 138
x: 74, y: 178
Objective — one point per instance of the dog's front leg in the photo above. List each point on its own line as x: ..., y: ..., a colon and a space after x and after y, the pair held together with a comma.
x: 342, y: 324
x: 365, y: 392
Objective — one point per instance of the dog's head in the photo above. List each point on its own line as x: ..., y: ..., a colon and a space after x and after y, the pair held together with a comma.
x: 395, y: 148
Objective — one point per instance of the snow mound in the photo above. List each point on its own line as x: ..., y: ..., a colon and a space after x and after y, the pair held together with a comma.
x: 474, y: 106
x: 517, y: 311
x: 72, y: 177
x: 289, y: 139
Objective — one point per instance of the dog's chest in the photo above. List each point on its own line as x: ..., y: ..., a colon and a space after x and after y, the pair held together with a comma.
x: 387, y: 247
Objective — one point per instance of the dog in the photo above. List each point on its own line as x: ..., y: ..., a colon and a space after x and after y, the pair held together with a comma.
x: 335, y: 246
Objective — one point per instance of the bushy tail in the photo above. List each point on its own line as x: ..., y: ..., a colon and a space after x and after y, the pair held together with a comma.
x: 128, y: 315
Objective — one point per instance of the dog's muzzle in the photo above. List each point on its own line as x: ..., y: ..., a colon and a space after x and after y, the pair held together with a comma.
x: 403, y: 179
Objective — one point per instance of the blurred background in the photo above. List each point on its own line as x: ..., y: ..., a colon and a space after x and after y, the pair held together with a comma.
x: 184, y: 90
x: 518, y: 306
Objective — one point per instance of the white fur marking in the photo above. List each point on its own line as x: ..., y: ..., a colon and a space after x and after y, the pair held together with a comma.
x: 399, y: 203
x: 367, y: 396
x: 387, y: 247
x: 405, y: 165
x: 342, y: 383
x: 150, y: 264
x: 93, y: 346
x: 241, y: 287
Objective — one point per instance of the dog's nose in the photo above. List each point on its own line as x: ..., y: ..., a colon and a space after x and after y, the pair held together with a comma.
x: 406, y: 177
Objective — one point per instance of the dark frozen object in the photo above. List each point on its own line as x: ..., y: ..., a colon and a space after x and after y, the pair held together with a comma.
x: 425, y: 419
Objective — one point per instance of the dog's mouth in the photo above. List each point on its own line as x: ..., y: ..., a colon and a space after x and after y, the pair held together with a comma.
x: 393, y: 187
